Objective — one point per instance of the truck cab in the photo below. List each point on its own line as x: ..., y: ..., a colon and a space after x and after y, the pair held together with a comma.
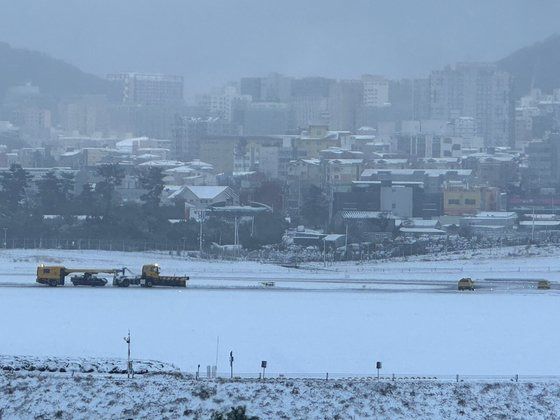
x: 151, y: 277
x: 150, y: 271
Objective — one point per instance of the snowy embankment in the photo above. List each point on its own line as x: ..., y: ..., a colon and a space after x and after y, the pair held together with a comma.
x: 80, y: 365
x: 47, y: 395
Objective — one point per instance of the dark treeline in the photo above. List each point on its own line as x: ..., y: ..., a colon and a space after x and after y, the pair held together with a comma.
x: 97, y: 212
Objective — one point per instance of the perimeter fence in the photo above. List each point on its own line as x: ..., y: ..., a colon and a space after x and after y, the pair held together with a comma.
x: 327, y: 376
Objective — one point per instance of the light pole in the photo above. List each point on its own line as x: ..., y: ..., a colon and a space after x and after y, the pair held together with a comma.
x: 346, y: 243
x: 325, y: 252
x: 201, y: 217
x: 129, y: 363
x: 184, y: 238
x: 5, y: 237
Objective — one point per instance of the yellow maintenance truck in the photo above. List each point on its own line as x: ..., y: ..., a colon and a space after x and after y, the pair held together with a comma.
x: 150, y: 277
x: 55, y: 276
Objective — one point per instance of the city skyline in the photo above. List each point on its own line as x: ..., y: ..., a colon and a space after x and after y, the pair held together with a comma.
x: 293, y: 39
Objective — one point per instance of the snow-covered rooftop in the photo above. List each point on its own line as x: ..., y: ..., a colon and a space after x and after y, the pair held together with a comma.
x: 420, y: 172
x: 358, y: 214
x: 428, y: 231
x: 207, y: 192
x: 163, y: 163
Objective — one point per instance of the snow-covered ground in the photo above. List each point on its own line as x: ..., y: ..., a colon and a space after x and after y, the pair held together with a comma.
x: 340, y: 318
x: 47, y: 395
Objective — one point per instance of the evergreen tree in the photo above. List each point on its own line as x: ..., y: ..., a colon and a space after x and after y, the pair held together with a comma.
x: 55, y: 193
x: 112, y: 176
x: 13, y: 184
x: 152, y: 182
x: 87, y: 200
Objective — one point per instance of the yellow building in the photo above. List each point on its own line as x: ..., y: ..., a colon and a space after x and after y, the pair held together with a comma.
x: 459, y: 201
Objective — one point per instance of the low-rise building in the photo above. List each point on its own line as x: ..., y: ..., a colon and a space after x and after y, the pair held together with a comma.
x: 490, y: 222
x: 459, y: 200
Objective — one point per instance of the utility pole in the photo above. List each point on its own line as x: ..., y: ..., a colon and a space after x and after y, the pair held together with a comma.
x: 231, y: 364
x: 235, y: 232
x: 533, y: 227
x: 129, y: 363
x: 217, y: 350
x: 5, y: 237
x: 201, y: 216
x: 346, y: 243
x: 324, y: 252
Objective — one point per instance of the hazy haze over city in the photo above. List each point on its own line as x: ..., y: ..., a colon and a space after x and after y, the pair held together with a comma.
x: 212, y: 41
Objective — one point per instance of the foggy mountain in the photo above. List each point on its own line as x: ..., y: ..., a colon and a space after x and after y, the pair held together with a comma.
x: 212, y: 42
x: 535, y: 66
x: 55, y: 78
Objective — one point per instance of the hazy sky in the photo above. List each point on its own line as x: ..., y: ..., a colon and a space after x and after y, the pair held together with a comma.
x: 212, y: 41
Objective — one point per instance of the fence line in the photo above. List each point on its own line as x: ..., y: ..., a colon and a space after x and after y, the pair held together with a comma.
x: 372, y: 377
x: 181, y: 247
x: 325, y: 376
x: 96, y: 244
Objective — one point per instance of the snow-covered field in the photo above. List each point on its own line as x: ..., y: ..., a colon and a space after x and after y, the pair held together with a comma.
x: 406, y: 314
x: 47, y: 395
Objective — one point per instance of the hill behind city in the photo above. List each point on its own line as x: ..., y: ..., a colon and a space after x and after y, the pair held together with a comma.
x: 535, y: 66
x: 54, y: 77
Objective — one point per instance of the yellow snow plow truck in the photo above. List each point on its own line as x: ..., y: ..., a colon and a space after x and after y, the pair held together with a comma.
x: 55, y: 275
x: 150, y: 277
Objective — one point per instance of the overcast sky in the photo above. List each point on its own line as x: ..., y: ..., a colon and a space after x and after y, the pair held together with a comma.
x: 213, y: 41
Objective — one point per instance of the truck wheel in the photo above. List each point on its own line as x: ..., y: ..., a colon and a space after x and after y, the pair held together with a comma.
x: 125, y: 283
x: 52, y: 283
x: 149, y: 283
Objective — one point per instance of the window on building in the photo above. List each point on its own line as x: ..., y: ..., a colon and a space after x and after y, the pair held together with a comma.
x: 453, y: 201
x: 470, y: 201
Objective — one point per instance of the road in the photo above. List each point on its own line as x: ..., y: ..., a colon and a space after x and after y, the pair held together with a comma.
x: 331, y: 284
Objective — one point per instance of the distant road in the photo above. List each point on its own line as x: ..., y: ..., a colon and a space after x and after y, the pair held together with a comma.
x: 283, y: 284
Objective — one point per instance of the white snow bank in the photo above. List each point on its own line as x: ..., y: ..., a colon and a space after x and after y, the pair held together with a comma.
x: 173, y: 396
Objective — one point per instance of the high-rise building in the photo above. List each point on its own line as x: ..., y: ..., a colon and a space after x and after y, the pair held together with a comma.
x: 148, y: 89
x: 276, y: 88
x: 376, y: 91
x: 251, y: 86
x: 226, y: 103
x: 477, y: 90
x: 311, y: 87
x: 345, y: 99
x: 264, y: 118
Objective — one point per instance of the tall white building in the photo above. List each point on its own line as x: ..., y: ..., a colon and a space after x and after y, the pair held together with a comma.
x: 376, y: 91
x: 149, y: 89
x: 479, y: 91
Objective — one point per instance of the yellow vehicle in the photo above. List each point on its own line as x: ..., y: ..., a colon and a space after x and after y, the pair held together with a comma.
x: 150, y: 277
x: 55, y: 275
x: 543, y: 284
x: 466, y: 283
